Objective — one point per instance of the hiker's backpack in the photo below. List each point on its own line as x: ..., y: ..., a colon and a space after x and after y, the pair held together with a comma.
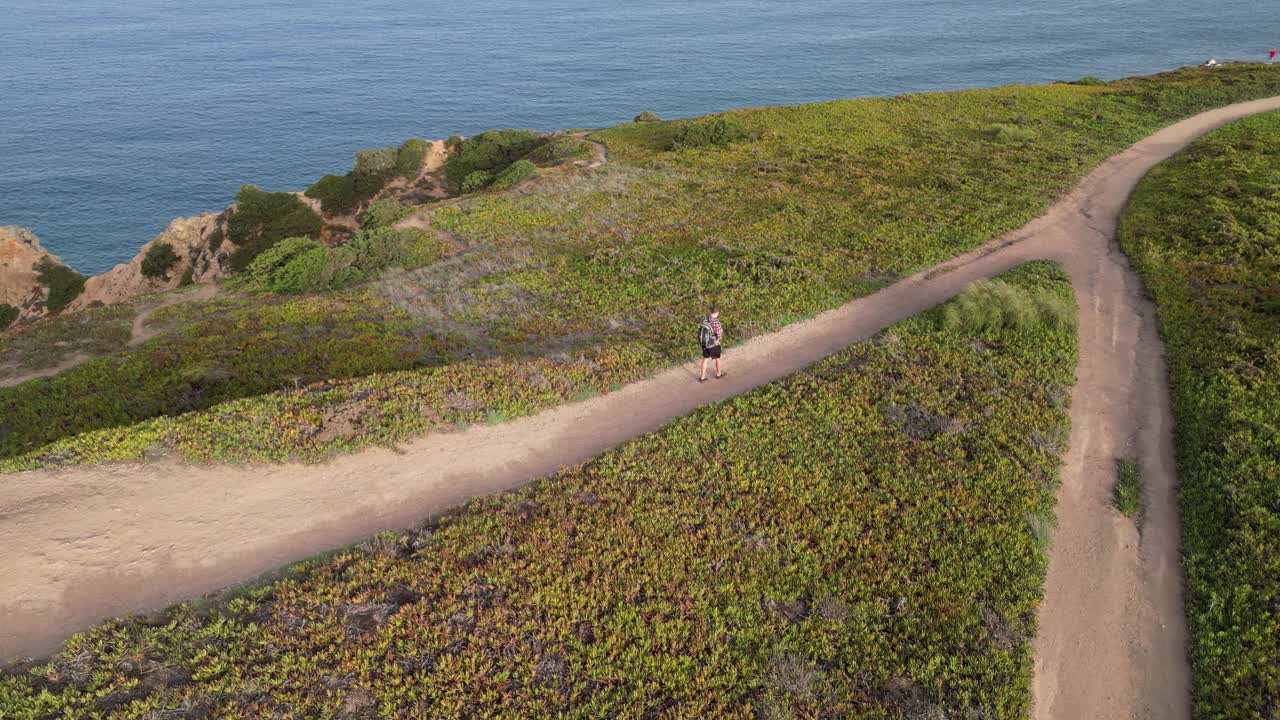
x: 707, y: 336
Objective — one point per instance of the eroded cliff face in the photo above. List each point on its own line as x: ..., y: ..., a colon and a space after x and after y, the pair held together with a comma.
x: 20, y: 286
x: 190, y: 239
x: 197, y: 242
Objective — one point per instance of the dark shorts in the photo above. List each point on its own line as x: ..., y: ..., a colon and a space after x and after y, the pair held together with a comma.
x: 711, y: 352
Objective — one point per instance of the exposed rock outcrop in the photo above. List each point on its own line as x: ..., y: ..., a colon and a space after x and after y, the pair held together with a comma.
x: 190, y: 238
x: 20, y: 286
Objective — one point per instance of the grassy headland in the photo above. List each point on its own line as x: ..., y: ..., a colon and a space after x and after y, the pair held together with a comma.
x: 863, y: 538
x: 577, y: 280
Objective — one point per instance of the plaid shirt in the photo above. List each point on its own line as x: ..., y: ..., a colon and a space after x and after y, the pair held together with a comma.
x: 714, y: 324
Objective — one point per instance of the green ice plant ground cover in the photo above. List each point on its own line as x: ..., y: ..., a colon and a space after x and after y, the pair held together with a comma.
x: 1203, y: 231
x: 862, y: 539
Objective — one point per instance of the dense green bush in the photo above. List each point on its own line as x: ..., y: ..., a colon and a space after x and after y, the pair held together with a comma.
x: 317, y: 269
x: 647, y: 116
x: 379, y: 248
x: 336, y: 193
x: 476, y: 181
x: 373, y: 169
x: 304, y: 265
x: 64, y: 283
x: 409, y: 158
x: 1090, y: 80
x: 267, y: 265
x: 159, y: 260
x: 1202, y: 232
x: 8, y: 314
x: 383, y: 213
x: 712, y: 132
x: 262, y: 219
x: 856, y: 540
x: 516, y: 173
x: 490, y: 151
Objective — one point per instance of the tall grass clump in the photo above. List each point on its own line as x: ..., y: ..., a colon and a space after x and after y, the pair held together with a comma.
x: 1128, y: 490
x: 995, y: 305
x: 1009, y: 134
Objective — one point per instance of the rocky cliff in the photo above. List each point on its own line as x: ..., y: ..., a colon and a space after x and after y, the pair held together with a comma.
x: 196, y: 243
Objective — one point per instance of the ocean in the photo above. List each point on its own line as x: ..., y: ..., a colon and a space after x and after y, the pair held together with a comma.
x: 119, y: 115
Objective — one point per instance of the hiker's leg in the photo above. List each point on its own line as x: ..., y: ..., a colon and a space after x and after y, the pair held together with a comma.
x: 718, y: 373
x: 703, y: 375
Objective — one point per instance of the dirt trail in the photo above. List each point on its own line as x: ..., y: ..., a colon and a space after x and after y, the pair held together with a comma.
x: 83, y: 544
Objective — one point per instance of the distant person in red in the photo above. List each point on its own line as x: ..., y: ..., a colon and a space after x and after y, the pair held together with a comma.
x: 1273, y: 54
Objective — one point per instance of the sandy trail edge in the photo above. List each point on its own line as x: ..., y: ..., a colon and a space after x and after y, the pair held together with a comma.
x: 84, y: 544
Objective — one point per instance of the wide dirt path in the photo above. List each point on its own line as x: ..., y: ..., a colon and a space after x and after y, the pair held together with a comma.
x: 83, y: 544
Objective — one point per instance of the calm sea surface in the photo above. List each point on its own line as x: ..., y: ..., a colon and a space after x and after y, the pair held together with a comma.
x: 118, y: 115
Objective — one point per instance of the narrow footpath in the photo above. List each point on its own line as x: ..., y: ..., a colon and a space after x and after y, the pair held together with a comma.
x: 82, y: 544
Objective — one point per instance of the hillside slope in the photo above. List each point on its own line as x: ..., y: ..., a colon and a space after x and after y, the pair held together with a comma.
x: 577, y: 281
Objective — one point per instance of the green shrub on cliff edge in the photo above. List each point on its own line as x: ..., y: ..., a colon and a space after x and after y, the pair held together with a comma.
x: 409, y: 158
x: 717, y: 131
x: 160, y: 258
x: 64, y: 283
x: 492, y: 152
x: 516, y: 173
x: 261, y: 219
x: 1201, y: 231
x: 8, y: 314
x: 336, y: 193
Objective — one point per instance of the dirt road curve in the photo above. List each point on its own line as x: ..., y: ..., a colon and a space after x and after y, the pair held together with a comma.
x: 83, y: 544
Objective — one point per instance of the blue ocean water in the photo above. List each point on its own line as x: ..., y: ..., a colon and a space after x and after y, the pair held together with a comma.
x: 118, y: 115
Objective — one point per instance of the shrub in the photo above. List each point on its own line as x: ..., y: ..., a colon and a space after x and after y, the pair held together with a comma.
x: 188, y: 277
x: 373, y: 169
x: 490, y: 151
x: 647, y: 116
x: 453, y: 142
x: 272, y: 260
x: 716, y: 131
x: 993, y: 305
x: 8, y: 314
x: 409, y: 158
x: 1090, y: 80
x: 1009, y: 134
x: 477, y: 181
x: 559, y: 149
x: 64, y: 283
x: 336, y: 193
x: 316, y: 269
x: 261, y: 219
x: 383, y: 213
x: 160, y: 258
x: 516, y: 173
x: 384, y: 247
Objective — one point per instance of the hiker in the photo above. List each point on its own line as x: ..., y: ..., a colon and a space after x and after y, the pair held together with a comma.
x: 1273, y: 54
x: 710, y: 333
